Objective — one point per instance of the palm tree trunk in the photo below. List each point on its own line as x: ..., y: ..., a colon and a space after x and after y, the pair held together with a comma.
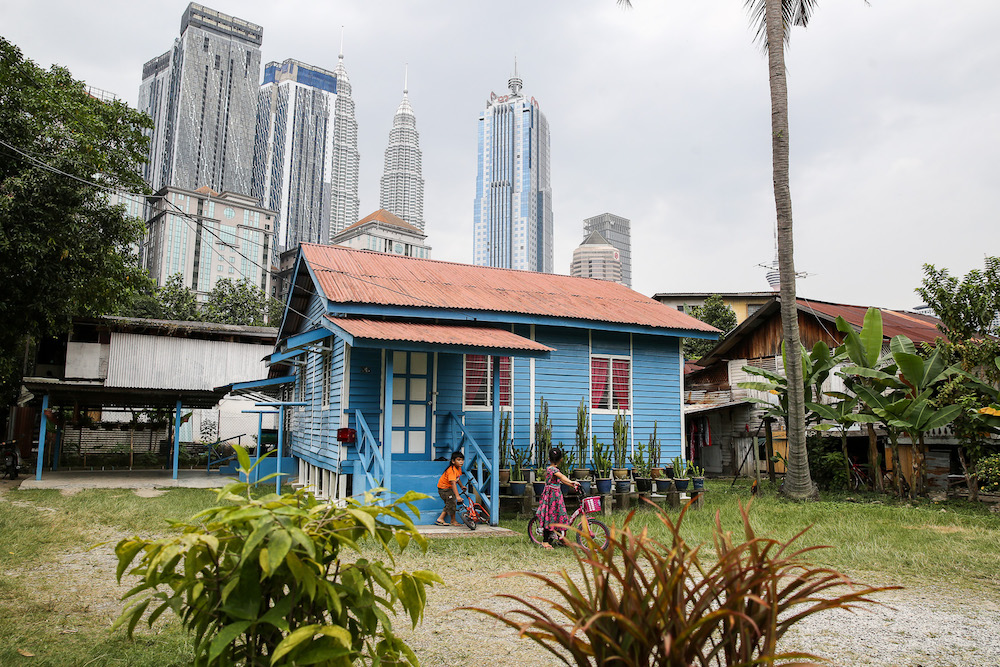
x: 798, y: 482
x: 873, y: 460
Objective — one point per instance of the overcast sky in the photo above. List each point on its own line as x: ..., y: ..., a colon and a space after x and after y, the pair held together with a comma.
x: 659, y: 114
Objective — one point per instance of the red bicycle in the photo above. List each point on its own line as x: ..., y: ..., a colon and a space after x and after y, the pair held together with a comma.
x: 472, y: 513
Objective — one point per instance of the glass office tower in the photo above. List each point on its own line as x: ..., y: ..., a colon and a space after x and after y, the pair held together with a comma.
x: 513, y: 206
x: 293, y: 157
x: 202, y: 97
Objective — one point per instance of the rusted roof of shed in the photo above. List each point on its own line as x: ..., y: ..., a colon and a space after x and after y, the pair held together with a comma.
x: 348, y: 276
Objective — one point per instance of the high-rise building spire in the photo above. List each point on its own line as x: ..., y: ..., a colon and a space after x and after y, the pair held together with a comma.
x: 401, y: 190
x: 344, y: 204
x: 514, y: 82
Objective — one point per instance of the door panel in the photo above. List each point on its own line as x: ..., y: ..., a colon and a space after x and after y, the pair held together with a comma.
x: 411, y: 405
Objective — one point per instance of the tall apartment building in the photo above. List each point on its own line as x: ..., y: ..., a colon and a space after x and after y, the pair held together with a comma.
x: 206, y: 236
x: 401, y: 191
x: 596, y: 258
x: 202, y: 97
x: 346, y: 159
x: 293, y: 172
x: 513, y: 206
x: 616, y: 231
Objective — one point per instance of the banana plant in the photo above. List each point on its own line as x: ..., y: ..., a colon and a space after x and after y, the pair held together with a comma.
x: 842, y: 415
x: 817, y: 365
x: 908, y: 406
x: 870, y: 369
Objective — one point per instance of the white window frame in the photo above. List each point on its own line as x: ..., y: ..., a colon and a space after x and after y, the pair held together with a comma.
x: 326, y: 371
x: 489, y: 385
x: 611, y: 358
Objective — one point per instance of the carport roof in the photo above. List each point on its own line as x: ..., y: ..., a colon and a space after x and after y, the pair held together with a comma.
x: 92, y: 394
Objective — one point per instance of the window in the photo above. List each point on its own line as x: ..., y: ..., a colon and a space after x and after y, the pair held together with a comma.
x: 327, y: 378
x: 610, y: 381
x: 479, y: 381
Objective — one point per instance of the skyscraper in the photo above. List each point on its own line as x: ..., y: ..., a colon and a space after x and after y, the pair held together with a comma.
x: 202, y: 97
x: 513, y: 207
x: 346, y: 159
x: 293, y: 157
x: 596, y: 258
x: 402, y: 189
x: 616, y: 231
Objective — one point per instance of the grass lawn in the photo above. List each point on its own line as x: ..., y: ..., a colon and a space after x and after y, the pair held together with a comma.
x: 57, y: 599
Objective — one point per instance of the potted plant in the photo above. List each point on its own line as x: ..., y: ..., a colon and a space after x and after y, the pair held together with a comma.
x: 582, y: 439
x: 620, y: 446
x: 681, y: 480
x: 663, y: 484
x: 543, y: 436
x: 505, y: 443
x: 539, y: 483
x: 517, y: 483
x: 697, y: 477
x: 640, y: 469
x: 602, y: 467
x: 655, y: 470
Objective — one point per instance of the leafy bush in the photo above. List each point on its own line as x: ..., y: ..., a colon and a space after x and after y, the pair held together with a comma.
x: 262, y: 582
x: 826, y: 463
x: 641, y: 602
x: 989, y: 474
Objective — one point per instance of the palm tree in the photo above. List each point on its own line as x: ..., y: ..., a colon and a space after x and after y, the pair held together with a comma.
x: 774, y: 20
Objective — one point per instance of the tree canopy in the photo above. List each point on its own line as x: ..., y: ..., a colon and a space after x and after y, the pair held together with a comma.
x: 719, y: 315
x: 968, y: 307
x: 65, y: 248
x: 238, y: 302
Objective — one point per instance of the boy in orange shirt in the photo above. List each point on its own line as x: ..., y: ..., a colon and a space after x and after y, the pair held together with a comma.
x: 448, y: 489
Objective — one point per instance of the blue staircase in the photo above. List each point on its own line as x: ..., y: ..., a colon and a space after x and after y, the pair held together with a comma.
x: 420, y: 476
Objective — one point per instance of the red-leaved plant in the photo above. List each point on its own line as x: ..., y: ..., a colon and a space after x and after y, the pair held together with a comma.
x: 644, y: 602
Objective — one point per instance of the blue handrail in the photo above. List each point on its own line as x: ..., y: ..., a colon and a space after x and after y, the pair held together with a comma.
x: 370, y: 454
x: 215, y: 458
x: 473, y: 454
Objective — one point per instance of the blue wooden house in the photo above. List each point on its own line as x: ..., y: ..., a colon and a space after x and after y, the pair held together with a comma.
x: 417, y: 358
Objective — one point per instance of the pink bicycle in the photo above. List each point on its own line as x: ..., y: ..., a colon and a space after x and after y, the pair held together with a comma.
x: 580, y: 523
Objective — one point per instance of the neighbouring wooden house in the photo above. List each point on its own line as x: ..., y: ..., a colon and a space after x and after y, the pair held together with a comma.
x: 418, y: 358
x: 722, y: 425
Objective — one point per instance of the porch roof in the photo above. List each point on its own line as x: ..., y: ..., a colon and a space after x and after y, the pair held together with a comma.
x: 424, y: 336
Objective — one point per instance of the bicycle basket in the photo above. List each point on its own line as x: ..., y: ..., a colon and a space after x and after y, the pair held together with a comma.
x: 592, y: 504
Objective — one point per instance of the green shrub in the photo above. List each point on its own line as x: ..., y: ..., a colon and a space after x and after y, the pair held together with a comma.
x: 642, y: 602
x: 989, y: 474
x: 826, y: 463
x: 261, y: 581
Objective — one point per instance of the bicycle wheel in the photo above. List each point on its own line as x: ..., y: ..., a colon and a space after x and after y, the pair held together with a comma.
x: 468, y: 520
x: 599, y: 533
x: 535, y: 531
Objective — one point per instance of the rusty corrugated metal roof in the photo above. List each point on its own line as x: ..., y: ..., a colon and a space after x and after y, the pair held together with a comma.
x: 438, y: 334
x: 364, y: 277
x: 918, y: 328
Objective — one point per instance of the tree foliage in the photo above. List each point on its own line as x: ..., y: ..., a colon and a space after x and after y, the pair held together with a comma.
x: 716, y: 313
x: 237, y: 302
x: 968, y: 307
x: 65, y: 249
x: 264, y: 581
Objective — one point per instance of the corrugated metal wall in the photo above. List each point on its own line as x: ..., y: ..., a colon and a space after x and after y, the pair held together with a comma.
x: 161, y: 362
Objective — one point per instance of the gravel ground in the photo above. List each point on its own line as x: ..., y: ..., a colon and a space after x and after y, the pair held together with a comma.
x: 916, y: 627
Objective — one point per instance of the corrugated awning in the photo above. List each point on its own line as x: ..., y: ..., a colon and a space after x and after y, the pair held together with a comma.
x: 419, y: 336
x: 266, y: 388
